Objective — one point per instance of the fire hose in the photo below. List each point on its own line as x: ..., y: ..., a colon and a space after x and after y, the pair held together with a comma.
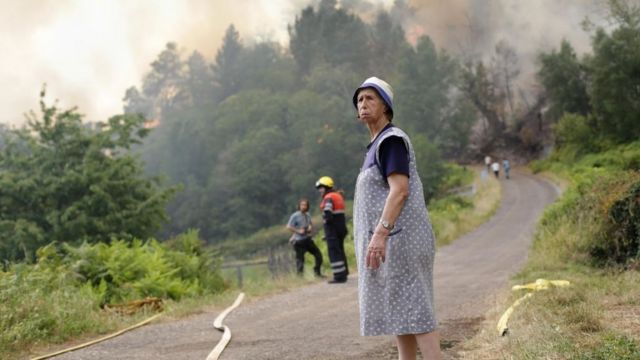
x: 217, y: 323
x: 226, y: 332
x: 540, y: 284
x: 118, y: 333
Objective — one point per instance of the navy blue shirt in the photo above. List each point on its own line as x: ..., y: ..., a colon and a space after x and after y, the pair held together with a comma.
x: 394, y: 156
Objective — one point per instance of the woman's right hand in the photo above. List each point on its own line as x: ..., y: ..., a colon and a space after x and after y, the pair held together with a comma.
x: 376, y: 252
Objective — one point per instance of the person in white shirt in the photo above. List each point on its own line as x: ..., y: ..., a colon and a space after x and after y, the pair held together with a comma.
x: 487, y: 161
x: 496, y: 169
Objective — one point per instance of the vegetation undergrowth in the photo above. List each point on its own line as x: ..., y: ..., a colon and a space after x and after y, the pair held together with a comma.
x: 589, y: 237
x: 64, y: 294
x: 454, y: 215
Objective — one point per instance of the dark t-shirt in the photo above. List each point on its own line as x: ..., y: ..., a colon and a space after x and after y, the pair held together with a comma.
x: 393, y: 153
x: 394, y: 157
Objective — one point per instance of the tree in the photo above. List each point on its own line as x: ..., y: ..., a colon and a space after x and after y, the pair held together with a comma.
x: 565, y: 80
x: 331, y: 36
x: 227, y: 70
x: 200, y: 80
x: 426, y: 80
x: 615, y: 74
x: 388, y: 40
x: 62, y: 180
x: 506, y: 67
x: 164, y: 85
x: 136, y: 103
x: 255, y: 176
x: 430, y: 165
x: 479, y: 88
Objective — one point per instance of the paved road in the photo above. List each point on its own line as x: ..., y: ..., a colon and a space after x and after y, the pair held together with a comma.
x: 320, y: 321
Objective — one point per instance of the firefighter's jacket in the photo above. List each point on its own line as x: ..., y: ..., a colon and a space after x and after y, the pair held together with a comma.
x: 332, y: 207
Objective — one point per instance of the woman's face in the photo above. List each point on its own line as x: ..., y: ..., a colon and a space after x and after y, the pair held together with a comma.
x: 371, y: 107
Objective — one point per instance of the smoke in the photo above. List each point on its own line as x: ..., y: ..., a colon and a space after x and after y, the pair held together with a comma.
x: 472, y: 28
x: 89, y: 52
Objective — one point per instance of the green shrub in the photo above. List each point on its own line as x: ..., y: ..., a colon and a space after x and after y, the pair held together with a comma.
x: 456, y: 176
x: 44, y: 303
x: 450, y: 204
x: 576, y: 134
x: 621, y: 241
x: 62, y: 294
x: 124, y: 270
x: 599, y: 216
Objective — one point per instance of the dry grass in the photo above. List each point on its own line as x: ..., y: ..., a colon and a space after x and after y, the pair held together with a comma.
x: 561, y: 182
x: 254, y: 288
x: 598, y: 310
x: 624, y: 319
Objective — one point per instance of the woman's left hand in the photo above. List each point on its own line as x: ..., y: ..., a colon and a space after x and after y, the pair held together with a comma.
x: 376, y: 252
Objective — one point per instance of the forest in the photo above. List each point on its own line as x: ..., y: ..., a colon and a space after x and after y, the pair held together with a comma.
x: 249, y: 133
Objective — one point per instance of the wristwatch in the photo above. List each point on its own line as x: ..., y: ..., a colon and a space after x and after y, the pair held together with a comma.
x: 385, y: 224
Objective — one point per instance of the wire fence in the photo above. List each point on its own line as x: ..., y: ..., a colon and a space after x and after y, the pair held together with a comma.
x: 279, y: 261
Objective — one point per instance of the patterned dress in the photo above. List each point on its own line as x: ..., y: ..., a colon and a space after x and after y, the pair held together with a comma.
x: 396, y: 298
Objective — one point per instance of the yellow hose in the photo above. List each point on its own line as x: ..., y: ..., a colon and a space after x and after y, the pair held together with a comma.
x: 540, y: 284
x: 502, y: 323
x: 100, y: 339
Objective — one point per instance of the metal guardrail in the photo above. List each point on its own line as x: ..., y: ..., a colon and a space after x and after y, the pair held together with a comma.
x: 467, y: 190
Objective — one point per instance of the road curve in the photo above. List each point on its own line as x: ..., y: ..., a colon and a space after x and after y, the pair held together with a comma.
x: 320, y: 321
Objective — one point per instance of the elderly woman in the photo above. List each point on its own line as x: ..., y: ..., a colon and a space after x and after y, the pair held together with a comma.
x: 393, y: 236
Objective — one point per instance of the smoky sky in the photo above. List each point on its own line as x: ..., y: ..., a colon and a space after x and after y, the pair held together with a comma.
x: 89, y: 52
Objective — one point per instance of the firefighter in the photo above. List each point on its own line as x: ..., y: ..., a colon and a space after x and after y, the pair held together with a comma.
x: 335, y: 228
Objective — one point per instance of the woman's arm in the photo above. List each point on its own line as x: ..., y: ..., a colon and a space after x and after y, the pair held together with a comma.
x: 398, y: 194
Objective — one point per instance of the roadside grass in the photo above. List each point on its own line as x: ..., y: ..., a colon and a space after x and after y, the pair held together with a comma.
x: 454, y: 216
x: 258, y: 285
x: 89, y: 324
x: 598, y: 316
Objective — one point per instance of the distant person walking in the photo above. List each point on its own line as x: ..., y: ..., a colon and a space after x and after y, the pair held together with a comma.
x: 487, y: 162
x: 301, y: 227
x: 335, y: 228
x: 393, y: 236
x: 507, y: 167
x: 496, y: 169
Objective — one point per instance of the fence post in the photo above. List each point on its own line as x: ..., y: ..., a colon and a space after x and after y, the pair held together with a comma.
x: 272, y: 263
x: 239, y: 274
